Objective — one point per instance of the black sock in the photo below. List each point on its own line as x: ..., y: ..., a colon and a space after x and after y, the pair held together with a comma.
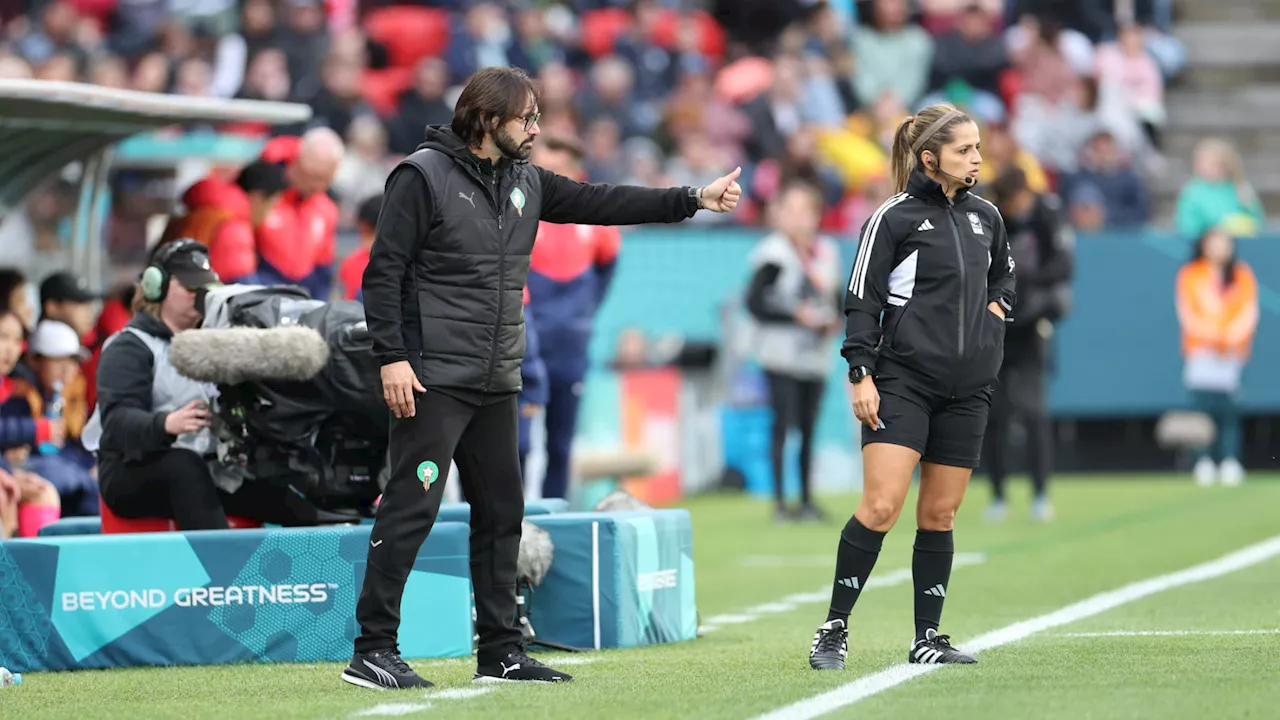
x: 931, y: 571
x: 859, y: 548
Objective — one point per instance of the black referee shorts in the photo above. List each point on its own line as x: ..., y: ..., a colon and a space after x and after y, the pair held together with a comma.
x: 944, y: 430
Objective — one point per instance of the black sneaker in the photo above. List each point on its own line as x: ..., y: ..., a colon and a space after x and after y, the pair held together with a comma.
x: 935, y: 649
x: 518, y: 667
x: 830, y: 643
x: 382, y: 670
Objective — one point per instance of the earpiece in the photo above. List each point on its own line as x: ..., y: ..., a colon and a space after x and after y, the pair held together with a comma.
x: 967, y: 181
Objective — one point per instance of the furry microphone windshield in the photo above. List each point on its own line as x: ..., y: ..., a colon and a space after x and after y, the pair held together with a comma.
x: 621, y: 501
x: 234, y: 355
x: 536, y: 552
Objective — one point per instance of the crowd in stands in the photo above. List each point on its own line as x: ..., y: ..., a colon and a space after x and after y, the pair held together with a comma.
x: 666, y: 91
x: 659, y: 92
x: 46, y: 396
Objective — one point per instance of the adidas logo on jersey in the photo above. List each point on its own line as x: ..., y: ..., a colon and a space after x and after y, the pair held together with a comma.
x: 926, y: 225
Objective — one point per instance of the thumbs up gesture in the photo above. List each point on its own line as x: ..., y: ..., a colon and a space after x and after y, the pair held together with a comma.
x: 722, y: 195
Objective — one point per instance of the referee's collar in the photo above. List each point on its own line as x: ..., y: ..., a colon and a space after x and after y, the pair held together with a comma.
x: 925, y: 187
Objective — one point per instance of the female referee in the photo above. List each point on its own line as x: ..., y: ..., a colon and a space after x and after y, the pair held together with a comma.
x: 933, y: 258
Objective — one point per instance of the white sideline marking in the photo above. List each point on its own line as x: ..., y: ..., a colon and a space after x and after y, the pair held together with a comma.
x: 791, y: 602
x: 456, y: 693
x: 570, y: 660
x: 393, y: 709
x: 396, y: 709
x: 868, y: 685
x: 1166, y: 633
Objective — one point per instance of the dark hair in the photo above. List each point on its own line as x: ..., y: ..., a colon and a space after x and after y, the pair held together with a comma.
x: 367, y: 213
x: 1009, y: 183
x: 493, y: 93
x: 264, y: 177
x: 936, y: 125
x: 1229, y: 270
x: 804, y: 186
x: 560, y: 143
x: 10, y: 279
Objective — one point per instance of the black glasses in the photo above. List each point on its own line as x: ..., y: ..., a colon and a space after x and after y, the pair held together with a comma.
x: 530, y: 120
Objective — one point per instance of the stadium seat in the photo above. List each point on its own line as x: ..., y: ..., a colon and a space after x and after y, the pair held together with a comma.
x: 601, y: 28
x: 409, y: 32
x: 711, y: 38
x: 382, y: 88
x: 113, y: 524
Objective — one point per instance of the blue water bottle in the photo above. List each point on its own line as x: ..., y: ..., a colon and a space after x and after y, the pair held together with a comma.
x: 53, y: 412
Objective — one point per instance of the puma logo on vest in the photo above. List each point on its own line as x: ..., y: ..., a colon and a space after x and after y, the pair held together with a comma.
x: 468, y: 198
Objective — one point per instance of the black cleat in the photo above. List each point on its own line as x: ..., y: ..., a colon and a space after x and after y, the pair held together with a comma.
x: 830, y: 643
x: 935, y: 649
x: 518, y: 667
x: 382, y: 670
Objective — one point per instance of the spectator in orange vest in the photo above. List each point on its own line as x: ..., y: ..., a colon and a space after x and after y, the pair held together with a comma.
x: 1217, y: 300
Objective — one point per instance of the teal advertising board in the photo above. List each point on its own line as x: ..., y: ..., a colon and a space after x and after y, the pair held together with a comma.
x: 220, y: 596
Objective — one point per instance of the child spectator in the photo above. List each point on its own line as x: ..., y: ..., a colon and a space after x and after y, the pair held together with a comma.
x: 28, y: 502
x: 55, y: 452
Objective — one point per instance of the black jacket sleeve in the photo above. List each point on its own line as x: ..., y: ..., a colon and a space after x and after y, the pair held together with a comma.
x: 866, y: 292
x: 407, y: 212
x: 569, y: 201
x: 129, y: 426
x: 1000, y: 279
x: 1056, y: 243
x: 757, y: 295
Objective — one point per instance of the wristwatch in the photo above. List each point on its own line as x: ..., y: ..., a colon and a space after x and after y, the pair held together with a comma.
x: 857, y: 373
x: 695, y: 194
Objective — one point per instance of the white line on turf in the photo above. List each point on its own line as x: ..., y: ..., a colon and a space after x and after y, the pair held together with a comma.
x: 457, y: 693
x: 1166, y: 633
x: 393, y: 710
x: 868, y: 685
x: 396, y: 709
x: 791, y: 602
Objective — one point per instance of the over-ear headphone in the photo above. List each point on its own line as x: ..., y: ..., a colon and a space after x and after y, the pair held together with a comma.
x: 155, y: 279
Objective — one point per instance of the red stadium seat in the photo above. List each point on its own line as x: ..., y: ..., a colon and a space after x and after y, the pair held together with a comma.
x: 409, y: 32
x: 113, y: 524
x: 601, y: 28
x: 1010, y: 84
x: 382, y: 88
x: 710, y: 35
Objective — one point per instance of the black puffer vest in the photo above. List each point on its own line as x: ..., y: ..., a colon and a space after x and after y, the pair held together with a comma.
x: 469, y: 272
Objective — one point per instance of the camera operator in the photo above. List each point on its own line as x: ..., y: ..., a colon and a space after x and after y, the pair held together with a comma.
x: 151, y: 429
x: 1043, y: 250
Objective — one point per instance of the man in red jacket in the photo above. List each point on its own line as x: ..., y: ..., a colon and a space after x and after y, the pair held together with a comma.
x: 570, y: 272
x: 297, y: 243
x: 222, y: 215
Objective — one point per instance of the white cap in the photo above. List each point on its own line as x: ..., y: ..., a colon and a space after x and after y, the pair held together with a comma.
x: 55, y: 339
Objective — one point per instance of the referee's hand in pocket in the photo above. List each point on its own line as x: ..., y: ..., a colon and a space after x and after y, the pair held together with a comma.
x: 866, y: 403
x: 398, y: 385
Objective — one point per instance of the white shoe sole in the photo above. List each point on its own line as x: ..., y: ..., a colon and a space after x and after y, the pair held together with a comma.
x: 489, y: 679
x: 361, y: 682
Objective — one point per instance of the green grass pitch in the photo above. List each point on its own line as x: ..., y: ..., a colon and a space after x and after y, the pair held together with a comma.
x: 1203, y: 650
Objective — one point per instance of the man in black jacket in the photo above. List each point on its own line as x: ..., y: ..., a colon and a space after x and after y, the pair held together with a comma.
x: 443, y: 298
x: 1042, y: 247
